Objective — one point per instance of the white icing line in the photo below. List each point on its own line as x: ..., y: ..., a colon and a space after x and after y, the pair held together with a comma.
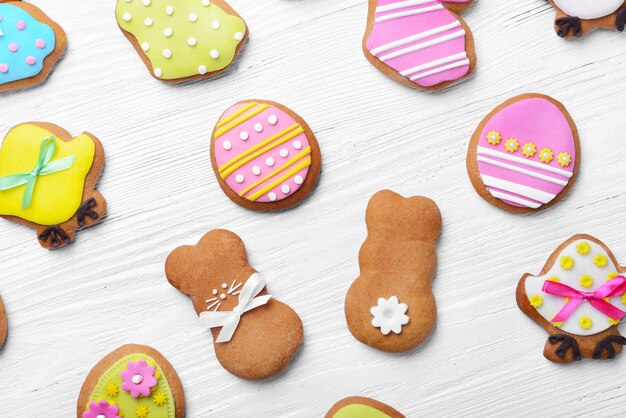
x: 416, y: 37
x: 508, y: 157
x: 520, y: 189
x: 441, y: 69
x: 423, y: 45
x: 435, y: 63
x: 521, y: 170
x: 408, y: 13
x: 401, y: 5
x: 505, y: 196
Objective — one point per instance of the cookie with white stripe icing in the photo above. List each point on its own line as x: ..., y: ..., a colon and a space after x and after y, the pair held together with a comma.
x: 574, y: 18
x: 422, y: 44
x: 525, y: 155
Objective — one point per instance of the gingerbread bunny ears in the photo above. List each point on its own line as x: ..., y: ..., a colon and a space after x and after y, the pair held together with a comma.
x: 255, y: 336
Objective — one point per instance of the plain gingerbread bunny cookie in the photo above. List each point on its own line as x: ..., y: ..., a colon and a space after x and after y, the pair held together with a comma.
x: 216, y: 275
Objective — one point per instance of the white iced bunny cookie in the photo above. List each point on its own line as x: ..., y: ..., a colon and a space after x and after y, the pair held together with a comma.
x: 577, y: 17
x: 182, y: 40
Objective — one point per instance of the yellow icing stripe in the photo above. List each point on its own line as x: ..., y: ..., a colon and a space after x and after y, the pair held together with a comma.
x: 236, y: 113
x: 280, y: 169
x: 290, y: 173
x: 254, y: 152
x: 240, y: 120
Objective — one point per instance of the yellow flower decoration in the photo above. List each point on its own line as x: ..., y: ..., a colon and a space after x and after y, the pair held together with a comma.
x: 112, y: 390
x: 529, y: 149
x: 613, y: 321
x: 586, y: 281
x: 611, y: 276
x: 567, y: 262
x: 583, y: 248
x: 511, y: 145
x: 536, y: 301
x: 554, y: 279
x: 142, y: 411
x: 600, y: 260
x: 494, y: 137
x: 585, y: 322
x: 564, y: 159
x: 546, y: 155
x: 160, y: 398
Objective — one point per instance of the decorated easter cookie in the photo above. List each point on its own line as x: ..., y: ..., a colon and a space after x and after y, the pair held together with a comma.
x: 3, y: 324
x: 524, y: 156
x: 182, y: 40
x: 47, y: 181
x: 420, y: 43
x: 255, y: 336
x: 359, y: 407
x: 579, y: 298
x: 30, y: 45
x: 132, y: 381
x: 390, y: 306
x: 265, y: 157
x: 577, y: 17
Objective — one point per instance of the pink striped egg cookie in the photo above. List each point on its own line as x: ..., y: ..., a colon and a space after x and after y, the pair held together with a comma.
x: 264, y: 155
x: 525, y: 155
x: 420, y: 43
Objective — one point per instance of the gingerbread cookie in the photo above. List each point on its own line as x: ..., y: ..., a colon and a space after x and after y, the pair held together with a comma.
x: 132, y: 381
x: 420, y: 43
x: 183, y: 40
x: 524, y: 156
x: 47, y: 181
x: 258, y: 335
x: 390, y: 306
x: 577, y: 17
x: 265, y: 156
x: 579, y: 298
x: 3, y: 324
x: 360, y: 407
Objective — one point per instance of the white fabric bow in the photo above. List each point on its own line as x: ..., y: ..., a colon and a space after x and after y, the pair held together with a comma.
x: 229, y: 321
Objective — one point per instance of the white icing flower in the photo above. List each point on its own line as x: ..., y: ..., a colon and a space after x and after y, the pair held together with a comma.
x: 389, y: 315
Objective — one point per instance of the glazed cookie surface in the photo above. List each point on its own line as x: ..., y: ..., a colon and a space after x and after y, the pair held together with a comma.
x: 579, y: 298
x: 420, y: 43
x: 30, y: 45
x: 360, y: 407
x: 265, y: 156
x: 183, y: 40
x: 132, y: 381
x: 577, y: 17
x: 524, y: 156
x: 47, y: 181
x: 390, y: 306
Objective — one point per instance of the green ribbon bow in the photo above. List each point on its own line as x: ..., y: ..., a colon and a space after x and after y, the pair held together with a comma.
x: 44, y: 167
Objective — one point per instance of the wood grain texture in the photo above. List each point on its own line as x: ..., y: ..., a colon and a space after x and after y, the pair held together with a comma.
x: 69, y: 308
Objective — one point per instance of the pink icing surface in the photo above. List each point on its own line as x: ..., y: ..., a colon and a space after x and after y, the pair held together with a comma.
x: 535, y: 120
x: 238, y: 146
x: 399, y: 28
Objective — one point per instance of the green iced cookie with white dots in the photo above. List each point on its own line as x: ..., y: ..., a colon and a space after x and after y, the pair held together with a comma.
x: 182, y: 40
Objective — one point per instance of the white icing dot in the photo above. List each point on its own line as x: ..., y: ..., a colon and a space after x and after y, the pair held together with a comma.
x: 206, y: 2
x: 297, y: 144
x: 222, y: 296
x: 271, y: 196
x: 137, y: 379
x: 127, y: 17
x: 284, y: 153
x: 145, y: 46
x: 238, y: 36
x: 215, y: 54
x: 272, y: 120
x: 101, y: 416
x: 285, y: 188
x: 167, y: 32
x: 215, y: 24
x: 193, y: 17
x: 192, y: 41
x: 269, y: 162
x: 202, y: 70
x: 224, y: 285
x: 256, y: 170
x: 214, y: 291
x: 240, y: 178
x: 258, y: 127
x: 146, y: 2
x: 167, y: 53
x: 148, y: 21
x: 244, y: 135
x: 158, y: 72
x: 298, y: 180
x: 169, y: 10
x: 227, y: 145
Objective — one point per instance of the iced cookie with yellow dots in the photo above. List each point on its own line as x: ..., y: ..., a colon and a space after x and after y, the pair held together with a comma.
x: 132, y: 381
x: 183, y: 40
x: 524, y: 156
x: 264, y: 155
x: 360, y: 407
x: 579, y: 298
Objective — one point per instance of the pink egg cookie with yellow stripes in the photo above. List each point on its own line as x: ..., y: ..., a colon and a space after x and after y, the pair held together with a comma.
x: 420, y: 43
x: 264, y: 155
x: 525, y: 155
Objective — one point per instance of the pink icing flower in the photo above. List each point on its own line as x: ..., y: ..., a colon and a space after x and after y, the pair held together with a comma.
x: 138, y: 378
x: 101, y: 409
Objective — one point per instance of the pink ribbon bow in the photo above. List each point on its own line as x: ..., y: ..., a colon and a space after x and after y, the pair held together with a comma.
x: 615, y: 287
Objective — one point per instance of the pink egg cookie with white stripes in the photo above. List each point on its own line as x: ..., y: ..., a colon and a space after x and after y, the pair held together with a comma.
x: 422, y: 44
x: 525, y: 155
x: 264, y: 155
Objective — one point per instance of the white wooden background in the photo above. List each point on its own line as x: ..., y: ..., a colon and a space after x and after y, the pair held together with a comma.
x: 69, y: 308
